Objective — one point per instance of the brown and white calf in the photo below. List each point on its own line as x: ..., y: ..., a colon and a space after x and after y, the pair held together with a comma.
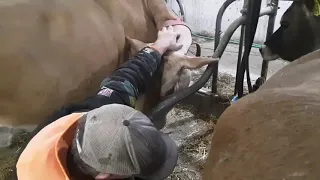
x: 174, y: 76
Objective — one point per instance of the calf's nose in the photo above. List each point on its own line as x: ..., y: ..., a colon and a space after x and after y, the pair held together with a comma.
x: 267, y: 53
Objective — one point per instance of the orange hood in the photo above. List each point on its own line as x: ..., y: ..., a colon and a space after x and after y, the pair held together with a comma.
x: 45, y: 156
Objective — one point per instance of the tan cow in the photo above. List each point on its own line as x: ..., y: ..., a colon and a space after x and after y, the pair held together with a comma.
x: 56, y: 52
x: 272, y: 134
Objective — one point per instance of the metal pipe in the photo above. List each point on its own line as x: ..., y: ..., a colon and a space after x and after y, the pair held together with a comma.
x: 265, y: 64
x: 227, y: 36
x: 269, y: 10
x: 217, y: 35
x: 253, y: 14
x: 243, y: 12
x: 182, y: 10
x: 265, y: 11
x: 165, y: 106
x: 239, y: 56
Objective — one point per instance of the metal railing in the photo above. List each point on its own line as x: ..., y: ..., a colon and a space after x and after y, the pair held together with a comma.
x: 219, y: 47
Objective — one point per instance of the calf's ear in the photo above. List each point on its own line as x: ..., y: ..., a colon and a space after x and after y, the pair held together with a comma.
x: 189, y: 62
x: 134, y: 45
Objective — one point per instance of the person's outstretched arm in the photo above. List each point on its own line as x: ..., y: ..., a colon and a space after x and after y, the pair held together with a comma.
x: 124, y: 85
x: 128, y: 81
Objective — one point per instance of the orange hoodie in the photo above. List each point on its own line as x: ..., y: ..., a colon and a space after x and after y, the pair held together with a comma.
x: 45, y: 156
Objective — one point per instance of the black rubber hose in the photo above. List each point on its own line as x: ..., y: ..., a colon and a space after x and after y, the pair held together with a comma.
x: 198, y: 52
x: 253, y: 12
x: 239, y: 58
x: 217, y: 35
x: 165, y: 106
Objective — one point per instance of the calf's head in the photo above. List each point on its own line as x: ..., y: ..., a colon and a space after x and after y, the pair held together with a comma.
x: 176, y: 73
x: 299, y: 33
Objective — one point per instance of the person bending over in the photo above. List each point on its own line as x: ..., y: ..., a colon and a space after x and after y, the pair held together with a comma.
x: 104, y: 137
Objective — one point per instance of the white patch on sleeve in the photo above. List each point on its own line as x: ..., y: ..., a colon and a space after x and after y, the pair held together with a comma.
x: 148, y: 50
x: 106, y: 92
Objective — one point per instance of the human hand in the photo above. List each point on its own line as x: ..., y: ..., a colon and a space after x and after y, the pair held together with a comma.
x: 167, y: 40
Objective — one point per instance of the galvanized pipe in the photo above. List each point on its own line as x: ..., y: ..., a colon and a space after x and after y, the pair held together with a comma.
x: 269, y: 10
x: 182, y: 10
x: 217, y: 35
x: 165, y: 106
x: 225, y: 5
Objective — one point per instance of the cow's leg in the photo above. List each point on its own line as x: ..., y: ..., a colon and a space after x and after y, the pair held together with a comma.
x: 5, y: 136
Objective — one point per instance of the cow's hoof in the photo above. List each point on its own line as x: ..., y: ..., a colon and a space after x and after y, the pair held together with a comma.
x: 6, y: 134
x: 259, y: 82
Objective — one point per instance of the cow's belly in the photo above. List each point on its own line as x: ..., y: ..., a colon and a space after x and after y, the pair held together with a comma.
x: 50, y: 57
x: 134, y: 17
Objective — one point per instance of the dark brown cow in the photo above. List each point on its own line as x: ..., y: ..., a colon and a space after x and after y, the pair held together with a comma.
x: 273, y: 133
x: 298, y: 33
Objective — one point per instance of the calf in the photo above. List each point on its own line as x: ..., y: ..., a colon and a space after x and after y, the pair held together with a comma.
x: 298, y: 33
x: 174, y: 76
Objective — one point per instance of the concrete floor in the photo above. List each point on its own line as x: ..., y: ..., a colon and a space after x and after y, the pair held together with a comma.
x: 228, y: 61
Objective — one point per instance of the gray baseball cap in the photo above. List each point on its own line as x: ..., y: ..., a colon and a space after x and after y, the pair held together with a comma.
x: 120, y: 140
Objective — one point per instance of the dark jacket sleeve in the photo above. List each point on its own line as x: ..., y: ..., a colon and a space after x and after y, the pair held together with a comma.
x: 131, y: 79
x: 122, y: 87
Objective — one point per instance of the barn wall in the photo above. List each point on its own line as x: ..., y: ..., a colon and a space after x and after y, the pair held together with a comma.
x: 201, y: 16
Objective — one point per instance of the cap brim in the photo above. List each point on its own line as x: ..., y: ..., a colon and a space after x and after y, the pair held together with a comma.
x: 170, y: 163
